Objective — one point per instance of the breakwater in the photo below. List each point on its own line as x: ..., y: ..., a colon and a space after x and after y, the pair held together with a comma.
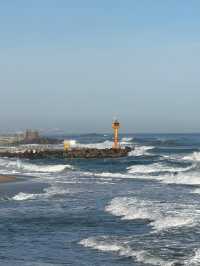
x: 72, y: 153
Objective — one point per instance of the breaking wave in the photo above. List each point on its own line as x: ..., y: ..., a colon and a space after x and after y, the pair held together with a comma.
x: 47, y: 193
x: 156, y: 171
x: 163, y: 216
x: 123, y: 249
x: 99, y: 145
x: 155, y: 168
x: 195, y: 156
x: 182, y: 179
x: 195, y: 259
x: 24, y: 196
x: 18, y: 165
x: 112, y: 175
x: 141, y: 150
x: 196, y: 191
x: 43, y: 168
x: 127, y: 139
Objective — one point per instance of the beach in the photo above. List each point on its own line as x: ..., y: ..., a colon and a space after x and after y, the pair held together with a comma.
x: 7, y: 178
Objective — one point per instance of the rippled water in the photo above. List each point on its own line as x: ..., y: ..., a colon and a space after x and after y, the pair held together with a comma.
x: 140, y: 210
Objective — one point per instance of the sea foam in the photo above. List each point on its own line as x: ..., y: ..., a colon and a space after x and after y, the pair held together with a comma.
x: 42, y: 168
x: 163, y: 216
x: 105, y: 244
x: 155, y: 168
x: 141, y: 150
x: 24, y: 196
x: 49, y: 192
x: 195, y: 156
x: 18, y: 166
x: 195, y: 259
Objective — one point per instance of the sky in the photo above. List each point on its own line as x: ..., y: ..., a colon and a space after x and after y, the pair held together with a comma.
x: 75, y: 65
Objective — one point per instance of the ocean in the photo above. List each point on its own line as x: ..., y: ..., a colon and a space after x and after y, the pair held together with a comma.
x: 143, y: 209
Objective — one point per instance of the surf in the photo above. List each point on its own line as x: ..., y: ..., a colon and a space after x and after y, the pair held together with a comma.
x: 105, y: 244
x: 162, y: 216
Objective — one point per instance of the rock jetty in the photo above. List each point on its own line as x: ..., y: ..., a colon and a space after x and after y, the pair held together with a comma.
x: 72, y: 153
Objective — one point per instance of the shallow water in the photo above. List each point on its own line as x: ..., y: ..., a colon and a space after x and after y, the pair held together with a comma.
x: 140, y: 210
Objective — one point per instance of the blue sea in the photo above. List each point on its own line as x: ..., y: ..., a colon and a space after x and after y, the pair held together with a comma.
x: 143, y: 209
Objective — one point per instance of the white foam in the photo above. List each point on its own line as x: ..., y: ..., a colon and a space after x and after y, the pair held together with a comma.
x: 183, y: 179
x: 116, y: 176
x: 127, y: 139
x: 57, y: 190
x: 106, y: 245
x: 195, y: 156
x: 20, y: 166
x: 98, y: 145
x: 195, y: 259
x: 44, y: 168
x: 92, y: 243
x: 72, y: 142
x: 163, y: 216
x: 196, y: 191
x: 155, y: 168
x: 141, y: 150
x: 145, y: 171
x: 24, y: 196
x: 47, y: 193
x: 112, y: 175
x: 173, y: 221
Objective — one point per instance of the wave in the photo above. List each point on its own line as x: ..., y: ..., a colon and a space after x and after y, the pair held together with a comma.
x: 108, y: 245
x: 155, y: 168
x: 182, y: 179
x: 127, y: 139
x: 166, y: 179
x: 156, y: 171
x: 163, y: 216
x: 141, y: 150
x: 49, y: 192
x: 18, y: 165
x: 99, y: 145
x: 24, y: 196
x: 195, y: 156
x: 111, y: 175
x: 169, y: 222
x: 195, y: 259
x: 116, y: 176
x: 196, y: 191
x: 43, y: 168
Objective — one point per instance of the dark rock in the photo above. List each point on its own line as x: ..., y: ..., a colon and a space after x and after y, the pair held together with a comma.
x: 72, y: 153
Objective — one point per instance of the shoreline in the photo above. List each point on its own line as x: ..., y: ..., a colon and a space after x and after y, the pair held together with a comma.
x: 7, y: 178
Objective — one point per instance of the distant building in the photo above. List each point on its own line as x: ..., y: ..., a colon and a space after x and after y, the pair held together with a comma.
x: 10, y: 139
x: 31, y: 135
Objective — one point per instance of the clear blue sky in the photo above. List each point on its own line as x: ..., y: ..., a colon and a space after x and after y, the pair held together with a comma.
x: 76, y: 64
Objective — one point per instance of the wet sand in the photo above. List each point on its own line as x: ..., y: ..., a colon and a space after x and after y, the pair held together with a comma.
x: 7, y: 178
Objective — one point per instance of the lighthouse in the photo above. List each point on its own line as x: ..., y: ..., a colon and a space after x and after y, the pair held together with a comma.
x: 116, y: 126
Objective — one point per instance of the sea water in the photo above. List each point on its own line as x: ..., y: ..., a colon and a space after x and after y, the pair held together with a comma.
x: 143, y: 209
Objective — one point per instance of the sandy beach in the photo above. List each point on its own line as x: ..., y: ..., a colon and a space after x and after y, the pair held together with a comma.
x: 7, y: 178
